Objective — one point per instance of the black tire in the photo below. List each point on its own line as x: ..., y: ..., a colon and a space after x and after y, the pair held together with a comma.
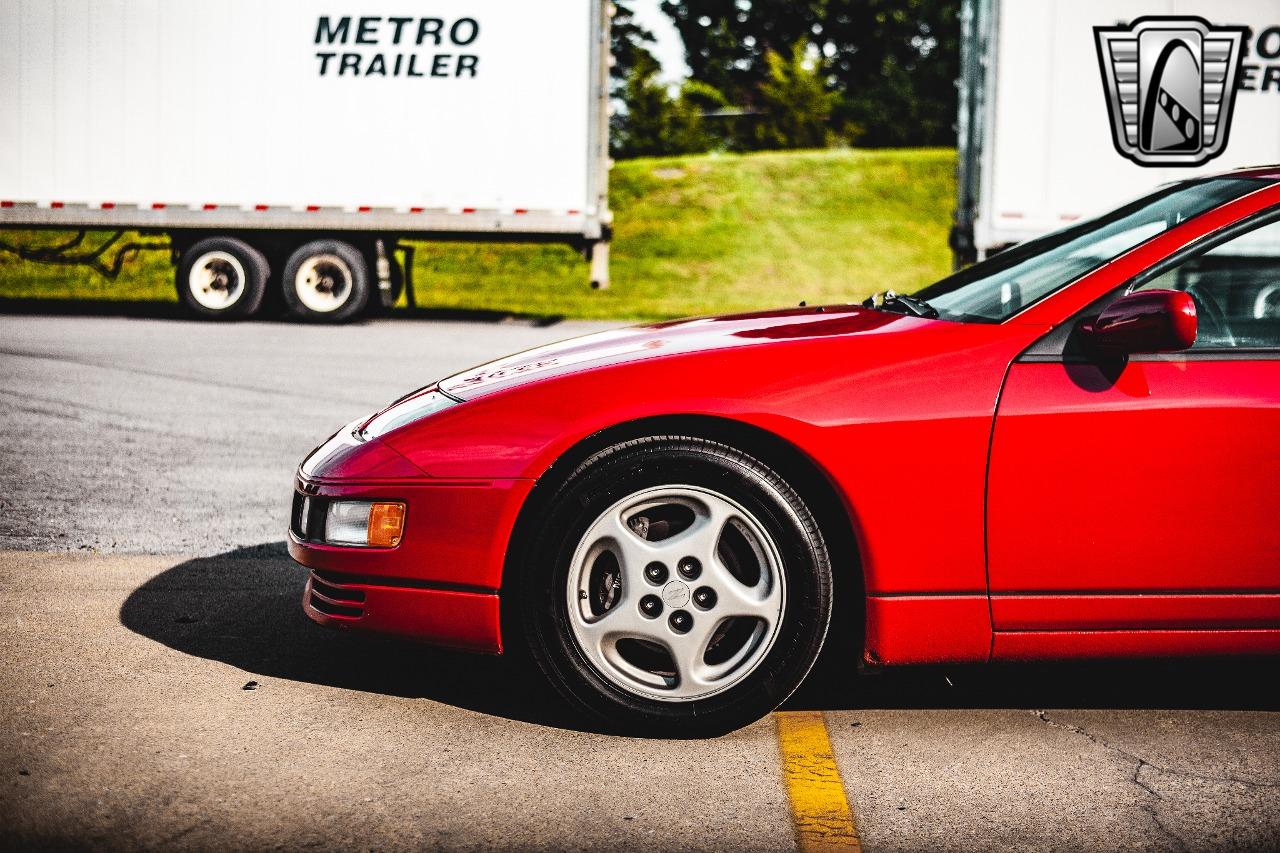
x: 325, y: 281
x: 222, y: 278
x: 536, y: 597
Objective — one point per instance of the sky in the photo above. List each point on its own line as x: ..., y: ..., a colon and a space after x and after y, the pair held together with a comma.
x: 669, y: 50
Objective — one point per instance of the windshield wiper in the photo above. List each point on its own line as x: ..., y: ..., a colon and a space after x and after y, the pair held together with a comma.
x: 890, y: 301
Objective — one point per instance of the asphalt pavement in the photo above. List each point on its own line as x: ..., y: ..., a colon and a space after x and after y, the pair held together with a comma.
x: 177, y: 436
x: 162, y: 689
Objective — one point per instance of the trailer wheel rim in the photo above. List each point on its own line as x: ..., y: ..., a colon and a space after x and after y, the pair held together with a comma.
x: 216, y: 280
x: 323, y: 283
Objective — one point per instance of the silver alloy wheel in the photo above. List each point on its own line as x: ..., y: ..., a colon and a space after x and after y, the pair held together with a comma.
x: 676, y: 593
x: 323, y: 283
x: 216, y: 280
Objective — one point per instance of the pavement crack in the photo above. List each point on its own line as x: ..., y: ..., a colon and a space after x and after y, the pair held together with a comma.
x: 1140, y: 763
x: 1168, y: 833
x: 185, y: 831
x: 1137, y: 780
x: 1149, y: 808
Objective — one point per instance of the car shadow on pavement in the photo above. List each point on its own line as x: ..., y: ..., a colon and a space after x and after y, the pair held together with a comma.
x: 243, y: 608
x: 1240, y: 683
x: 1236, y: 684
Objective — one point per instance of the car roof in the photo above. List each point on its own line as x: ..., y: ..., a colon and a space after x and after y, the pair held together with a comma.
x: 1264, y: 172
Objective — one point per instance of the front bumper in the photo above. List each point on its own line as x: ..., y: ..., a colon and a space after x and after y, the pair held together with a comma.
x: 454, y: 618
x: 439, y: 585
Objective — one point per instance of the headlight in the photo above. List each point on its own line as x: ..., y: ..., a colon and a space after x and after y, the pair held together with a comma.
x: 370, y: 524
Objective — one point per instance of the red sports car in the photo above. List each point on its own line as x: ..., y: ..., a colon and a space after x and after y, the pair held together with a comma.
x: 1071, y: 449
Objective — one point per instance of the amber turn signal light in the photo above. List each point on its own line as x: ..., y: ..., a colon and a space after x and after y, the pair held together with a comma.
x: 386, y: 525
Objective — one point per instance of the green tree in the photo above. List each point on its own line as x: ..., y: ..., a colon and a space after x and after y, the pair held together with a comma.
x: 893, y: 62
x: 652, y: 122
x: 726, y: 41
x: 896, y: 62
x: 629, y: 44
x: 795, y: 102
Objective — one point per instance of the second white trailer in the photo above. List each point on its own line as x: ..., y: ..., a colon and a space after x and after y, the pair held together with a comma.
x: 1039, y: 143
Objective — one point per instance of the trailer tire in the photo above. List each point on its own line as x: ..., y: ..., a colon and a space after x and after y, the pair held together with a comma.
x: 325, y: 281
x: 222, y: 278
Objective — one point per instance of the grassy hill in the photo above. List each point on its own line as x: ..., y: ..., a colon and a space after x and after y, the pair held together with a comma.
x: 693, y: 235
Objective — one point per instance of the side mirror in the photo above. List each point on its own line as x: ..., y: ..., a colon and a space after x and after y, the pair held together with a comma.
x: 1143, y: 321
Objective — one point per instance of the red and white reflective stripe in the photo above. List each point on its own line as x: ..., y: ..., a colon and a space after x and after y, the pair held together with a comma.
x: 364, y: 208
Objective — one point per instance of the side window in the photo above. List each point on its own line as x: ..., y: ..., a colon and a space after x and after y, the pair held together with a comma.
x: 1236, y: 288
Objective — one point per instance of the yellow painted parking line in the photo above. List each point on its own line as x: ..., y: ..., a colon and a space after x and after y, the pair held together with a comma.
x: 819, y: 808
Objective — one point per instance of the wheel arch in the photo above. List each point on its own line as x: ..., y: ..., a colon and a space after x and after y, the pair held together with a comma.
x: 802, y: 472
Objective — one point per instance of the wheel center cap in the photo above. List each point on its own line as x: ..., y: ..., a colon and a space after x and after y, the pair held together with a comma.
x: 675, y: 594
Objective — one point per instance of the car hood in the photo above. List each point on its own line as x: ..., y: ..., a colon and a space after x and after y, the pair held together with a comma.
x: 676, y: 337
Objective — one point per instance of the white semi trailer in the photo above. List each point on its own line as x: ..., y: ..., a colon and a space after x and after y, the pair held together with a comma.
x: 286, y: 148
x: 1061, y: 103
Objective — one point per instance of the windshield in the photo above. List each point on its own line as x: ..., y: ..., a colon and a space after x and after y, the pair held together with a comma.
x: 1002, y: 285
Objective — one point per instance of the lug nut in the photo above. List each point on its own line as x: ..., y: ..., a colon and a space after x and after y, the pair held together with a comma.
x: 689, y: 568
x: 704, y: 597
x: 651, y: 606
x: 655, y: 573
x: 680, y: 622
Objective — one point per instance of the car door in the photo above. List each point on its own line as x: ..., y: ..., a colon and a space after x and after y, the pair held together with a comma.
x: 1146, y: 495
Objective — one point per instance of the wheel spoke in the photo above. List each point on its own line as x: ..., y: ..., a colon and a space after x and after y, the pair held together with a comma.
x: 701, y: 539
x: 621, y: 620
x: 633, y: 553
x: 688, y: 653
x: 761, y: 601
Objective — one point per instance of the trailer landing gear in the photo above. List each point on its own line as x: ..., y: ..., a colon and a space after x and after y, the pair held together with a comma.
x: 598, y: 254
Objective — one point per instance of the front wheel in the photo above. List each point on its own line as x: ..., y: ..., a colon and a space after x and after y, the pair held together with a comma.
x: 676, y: 587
